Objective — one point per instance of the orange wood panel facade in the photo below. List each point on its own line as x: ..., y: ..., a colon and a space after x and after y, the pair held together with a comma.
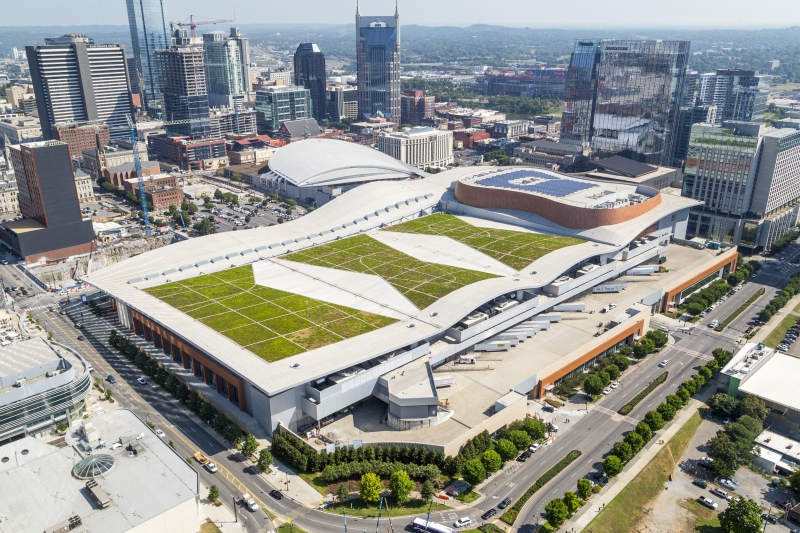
x: 166, y: 335
x: 672, y: 292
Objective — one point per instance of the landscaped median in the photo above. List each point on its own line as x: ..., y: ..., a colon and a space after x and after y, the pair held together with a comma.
x: 742, y: 308
x: 628, y: 407
x: 511, y: 514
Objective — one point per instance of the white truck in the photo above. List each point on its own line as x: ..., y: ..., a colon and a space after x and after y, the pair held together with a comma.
x: 249, y: 502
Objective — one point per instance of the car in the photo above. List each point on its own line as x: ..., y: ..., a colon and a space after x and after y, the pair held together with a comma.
x: 51, y: 309
x: 535, y: 446
x: 705, y: 462
x: 719, y: 492
x: 726, y: 421
x: 663, y: 363
x: 703, y: 314
x: 769, y: 518
x: 140, y: 436
x: 727, y: 484
x: 548, y: 408
x: 749, y: 329
x: 116, y: 445
x: 160, y: 433
x: 62, y: 312
x: 597, y: 475
x: 612, y: 306
x: 111, y: 379
x: 89, y: 367
x: 607, y: 391
x: 733, y: 480
x: 79, y: 325
x: 141, y: 381
x: 81, y: 338
x: 249, y: 502
x: 665, y: 329
x: 708, y: 502
x: 753, y: 276
x: 614, y: 385
x: 505, y: 503
x: 524, y: 456
x: 463, y: 521
x: 275, y: 493
x: 700, y: 483
x: 713, y: 306
x: 714, y: 323
x: 211, y: 467
x: 488, y: 514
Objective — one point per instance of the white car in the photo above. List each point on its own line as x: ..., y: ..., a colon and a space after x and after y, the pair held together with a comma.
x: 141, y: 381
x: 116, y: 445
x: 461, y: 522
x: 665, y: 329
x: 714, y: 323
x: 615, y: 385
x: 606, y: 391
x: 612, y: 306
x: 160, y: 433
x: 211, y: 467
x: 535, y: 446
x: 663, y: 363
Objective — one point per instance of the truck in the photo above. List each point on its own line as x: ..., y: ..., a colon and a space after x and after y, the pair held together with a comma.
x: 200, y: 458
x: 708, y: 502
x: 249, y: 502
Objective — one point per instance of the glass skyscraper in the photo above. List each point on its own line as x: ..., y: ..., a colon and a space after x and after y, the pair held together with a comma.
x: 149, y: 24
x: 623, y: 97
x: 309, y: 72
x: 378, y: 70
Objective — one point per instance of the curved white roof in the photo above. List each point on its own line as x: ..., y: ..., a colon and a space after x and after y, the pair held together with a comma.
x: 316, y: 162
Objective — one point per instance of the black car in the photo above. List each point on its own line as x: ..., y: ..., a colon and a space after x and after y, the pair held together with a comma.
x: 505, y: 503
x: 488, y: 514
x: 700, y: 483
x: 597, y: 475
x: 276, y: 494
x: 769, y: 518
x: 81, y: 338
x: 524, y: 457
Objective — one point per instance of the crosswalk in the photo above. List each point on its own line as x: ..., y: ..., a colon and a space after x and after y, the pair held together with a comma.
x: 611, y: 413
x: 37, y: 308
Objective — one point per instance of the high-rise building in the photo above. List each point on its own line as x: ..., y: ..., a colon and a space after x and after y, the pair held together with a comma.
x: 280, y: 103
x: 79, y: 82
x: 68, y: 38
x: 421, y: 147
x: 688, y: 117
x: 415, y: 106
x: 309, y: 72
x: 342, y: 102
x: 244, y: 61
x: 746, y: 177
x: 739, y: 95
x: 623, y: 97
x: 223, y: 69
x: 182, y: 75
x: 150, y: 31
x: 378, y: 65
x: 133, y: 75
x: 52, y: 227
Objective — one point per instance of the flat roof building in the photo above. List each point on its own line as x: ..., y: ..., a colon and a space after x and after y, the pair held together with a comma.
x: 421, y: 147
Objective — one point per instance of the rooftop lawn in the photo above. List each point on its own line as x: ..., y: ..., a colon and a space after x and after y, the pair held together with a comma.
x: 272, y: 324
x: 422, y: 283
x: 516, y: 249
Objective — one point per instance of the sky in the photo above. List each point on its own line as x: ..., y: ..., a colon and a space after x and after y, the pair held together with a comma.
x: 532, y: 13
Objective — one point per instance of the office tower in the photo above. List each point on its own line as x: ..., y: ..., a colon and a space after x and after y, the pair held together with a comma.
x: 280, y: 103
x: 739, y: 95
x: 52, y: 227
x: 133, y: 75
x: 378, y: 65
x: 68, y: 38
x: 80, y: 82
x: 688, y: 117
x: 422, y: 147
x: 149, y: 25
x: 415, y: 106
x: 623, y: 97
x: 745, y: 175
x: 244, y: 61
x: 80, y: 136
x: 223, y: 69
x: 342, y: 102
x: 309, y: 72
x: 183, y: 89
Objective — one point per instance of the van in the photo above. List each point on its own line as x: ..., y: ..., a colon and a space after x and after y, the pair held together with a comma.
x: 466, y: 360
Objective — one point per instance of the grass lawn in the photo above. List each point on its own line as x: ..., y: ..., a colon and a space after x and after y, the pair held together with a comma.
x: 272, y: 324
x: 626, y: 509
x: 468, y: 497
x: 316, y: 481
x: 779, y: 332
x: 516, y: 249
x: 288, y: 528
x: 209, y: 527
x: 422, y: 283
x: 358, y: 508
x: 707, y: 520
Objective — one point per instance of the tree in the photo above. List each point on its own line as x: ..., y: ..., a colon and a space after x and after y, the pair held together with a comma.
x: 684, y: 395
x: 572, y: 502
x: 666, y: 411
x: 741, y: 516
x: 370, y: 488
x: 621, y: 362
x: 612, y: 465
x: 280, y: 220
x: 613, y: 372
x: 635, y: 441
x: 713, y: 366
x: 675, y: 401
x: 584, y: 488
x: 342, y: 493
x: 213, y: 493
x: 491, y: 461
x: 644, y: 431
x: 658, y: 337
x: 108, y: 394
x: 204, y: 227
x: 723, y: 451
x: 427, y: 491
x: 755, y: 407
x: 401, y: 486
x: 506, y: 448
x: 473, y: 472
x: 535, y: 428
x: 753, y: 425
x: 624, y: 451
x: 705, y: 372
x: 247, y: 218
x: 794, y: 479
x: 593, y: 385
x: 556, y: 512
x: 654, y: 420
x: 249, y: 446
x: 722, y: 357
x: 520, y: 439
x: 643, y: 347
x: 264, y: 459
x: 604, y: 377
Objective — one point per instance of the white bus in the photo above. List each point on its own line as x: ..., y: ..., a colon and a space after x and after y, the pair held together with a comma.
x: 432, y: 527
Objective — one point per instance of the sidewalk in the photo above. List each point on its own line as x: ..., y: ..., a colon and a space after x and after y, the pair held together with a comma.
x: 767, y: 328
x: 220, y: 516
x: 299, y: 490
x: 587, y: 513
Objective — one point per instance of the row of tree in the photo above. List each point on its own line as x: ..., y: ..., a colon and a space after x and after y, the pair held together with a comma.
x: 557, y: 511
x: 743, y: 272
x: 782, y: 298
x: 700, y: 301
x: 780, y: 245
x: 570, y: 384
x: 733, y: 446
x: 381, y: 468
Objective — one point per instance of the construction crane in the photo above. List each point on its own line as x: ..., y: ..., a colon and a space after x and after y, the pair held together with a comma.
x: 193, y: 24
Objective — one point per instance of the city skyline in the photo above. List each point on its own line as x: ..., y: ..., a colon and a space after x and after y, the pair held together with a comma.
x: 621, y: 13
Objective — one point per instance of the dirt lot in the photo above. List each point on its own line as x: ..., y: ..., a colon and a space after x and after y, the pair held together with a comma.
x: 676, y: 509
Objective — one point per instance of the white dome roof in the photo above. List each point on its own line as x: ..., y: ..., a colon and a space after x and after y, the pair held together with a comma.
x: 319, y: 162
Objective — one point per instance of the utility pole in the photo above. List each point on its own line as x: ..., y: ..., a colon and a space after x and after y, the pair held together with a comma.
x: 235, y: 514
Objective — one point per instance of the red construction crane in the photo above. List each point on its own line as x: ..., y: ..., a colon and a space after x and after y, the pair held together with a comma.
x: 193, y: 24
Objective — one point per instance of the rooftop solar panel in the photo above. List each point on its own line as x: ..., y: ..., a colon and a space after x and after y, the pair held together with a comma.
x: 552, y: 186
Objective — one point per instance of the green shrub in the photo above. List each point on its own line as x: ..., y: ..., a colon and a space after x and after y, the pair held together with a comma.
x: 636, y: 400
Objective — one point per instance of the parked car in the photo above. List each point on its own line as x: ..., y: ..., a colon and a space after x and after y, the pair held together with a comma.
x: 726, y: 421
x: 505, y: 503
x: 727, y: 484
x: 607, y: 391
x: 700, y: 483
x: 708, y: 502
x: 524, y: 456
x: 705, y: 462
x: 535, y: 446
x: 769, y: 518
x: 614, y: 385
x: 719, y: 492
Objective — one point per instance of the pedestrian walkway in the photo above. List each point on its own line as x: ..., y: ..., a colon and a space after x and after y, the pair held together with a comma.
x: 220, y: 515
x: 767, y: 328
x: 296, y: 488
x: 587, y: 513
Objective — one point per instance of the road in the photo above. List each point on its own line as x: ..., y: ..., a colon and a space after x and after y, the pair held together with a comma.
x: 594, y: 433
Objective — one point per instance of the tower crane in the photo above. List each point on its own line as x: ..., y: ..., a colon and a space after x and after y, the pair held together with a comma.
x: 193, y: 24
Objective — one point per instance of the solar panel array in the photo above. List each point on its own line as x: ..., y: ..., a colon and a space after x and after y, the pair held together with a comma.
x: 552, y: 186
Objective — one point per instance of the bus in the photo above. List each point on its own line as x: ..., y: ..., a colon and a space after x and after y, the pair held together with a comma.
x: 419, y: 524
